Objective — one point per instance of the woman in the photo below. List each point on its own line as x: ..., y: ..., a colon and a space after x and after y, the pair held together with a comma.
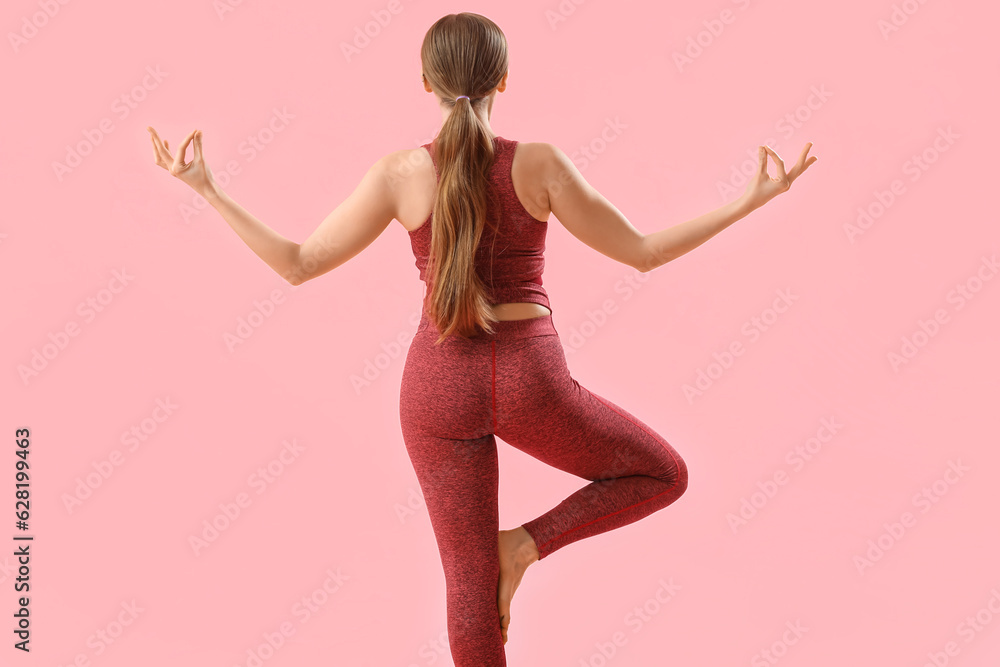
x: 486, y: 359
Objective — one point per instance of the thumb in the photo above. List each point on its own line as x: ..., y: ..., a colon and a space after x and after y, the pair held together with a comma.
x: 197, y: 146
x: 762, y: 155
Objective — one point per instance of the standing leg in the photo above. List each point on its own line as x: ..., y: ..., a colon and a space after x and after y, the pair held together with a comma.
x: 459, y: 481
x: 445, y: 419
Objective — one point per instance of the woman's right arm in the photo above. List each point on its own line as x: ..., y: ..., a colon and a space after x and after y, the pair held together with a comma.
x: 596, y: 222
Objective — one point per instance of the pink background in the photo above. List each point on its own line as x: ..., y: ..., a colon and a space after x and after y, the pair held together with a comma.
x: 887, y: 101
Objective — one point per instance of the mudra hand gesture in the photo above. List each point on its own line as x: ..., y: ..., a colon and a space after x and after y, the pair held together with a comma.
x: 195, y: 173
x: 762, y: 188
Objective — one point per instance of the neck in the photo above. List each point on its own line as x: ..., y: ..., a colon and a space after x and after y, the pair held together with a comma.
x: 484, y: 112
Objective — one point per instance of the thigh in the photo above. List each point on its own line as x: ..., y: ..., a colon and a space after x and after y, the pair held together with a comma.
x: 459, y: 480
x: 543, y: 411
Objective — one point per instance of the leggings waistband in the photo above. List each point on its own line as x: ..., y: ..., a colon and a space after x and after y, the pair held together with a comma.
x: 507, y: 329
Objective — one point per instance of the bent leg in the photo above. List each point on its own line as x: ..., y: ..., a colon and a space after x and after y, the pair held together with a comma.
x: 544, y: 412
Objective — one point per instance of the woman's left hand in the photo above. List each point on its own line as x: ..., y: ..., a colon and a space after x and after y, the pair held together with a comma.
x: 195, y: 173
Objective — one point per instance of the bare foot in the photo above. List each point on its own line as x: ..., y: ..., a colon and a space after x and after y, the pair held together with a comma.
x: 517, y: 552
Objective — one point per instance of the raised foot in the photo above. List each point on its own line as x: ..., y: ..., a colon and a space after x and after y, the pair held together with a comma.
x: 517, y: 552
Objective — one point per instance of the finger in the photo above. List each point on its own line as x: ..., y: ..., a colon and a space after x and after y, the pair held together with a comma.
x: 161, y: 151
x: 804, y: 161
x: 800, y: 163
x: 805, y: 152
x: 156, y: 149
x: 197, y: 145
x: 777, y: 158
x: 763, y: 163
x: 802, y: 155
x: 782, y: 176
x: 808, y: 163
x: 179, y: 159
x: 156, y: 136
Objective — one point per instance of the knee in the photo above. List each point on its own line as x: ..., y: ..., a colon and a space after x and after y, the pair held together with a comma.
x: 680, y: 476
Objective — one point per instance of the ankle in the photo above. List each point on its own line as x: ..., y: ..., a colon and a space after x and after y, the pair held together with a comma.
x: 528, y: 550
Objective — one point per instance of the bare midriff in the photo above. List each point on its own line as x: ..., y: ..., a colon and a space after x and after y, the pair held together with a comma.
x: 519, y: 311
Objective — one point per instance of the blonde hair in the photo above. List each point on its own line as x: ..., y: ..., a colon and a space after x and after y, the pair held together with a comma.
x: 462, y: 54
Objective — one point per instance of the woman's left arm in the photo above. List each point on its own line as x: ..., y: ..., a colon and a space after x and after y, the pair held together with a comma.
x: 345, y: 232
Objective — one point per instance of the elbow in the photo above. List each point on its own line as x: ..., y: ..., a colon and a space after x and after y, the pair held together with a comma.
x: 650, y: 258
x: 295, y: 277
x: 295, y: 274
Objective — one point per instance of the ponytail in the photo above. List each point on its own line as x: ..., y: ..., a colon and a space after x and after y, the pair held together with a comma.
x: 458, y: 301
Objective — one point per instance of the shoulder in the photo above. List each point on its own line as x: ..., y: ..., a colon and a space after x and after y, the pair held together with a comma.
x: 402, y: 170
x: 541, y: 158
x: 535, y: 151
x: 404, y: 162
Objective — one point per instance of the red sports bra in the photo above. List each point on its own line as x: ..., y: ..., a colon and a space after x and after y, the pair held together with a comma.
x: 515, y: 272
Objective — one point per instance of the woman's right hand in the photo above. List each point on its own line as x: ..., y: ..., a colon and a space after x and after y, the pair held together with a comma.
x: 195, y: 173
x: 762, y: 188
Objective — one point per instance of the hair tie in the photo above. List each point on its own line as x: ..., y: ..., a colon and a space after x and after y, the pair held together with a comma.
x: 461, y: 96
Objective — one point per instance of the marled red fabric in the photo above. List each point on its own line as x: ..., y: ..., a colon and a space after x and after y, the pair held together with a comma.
x: 515, y: 274
x: 456, y: 398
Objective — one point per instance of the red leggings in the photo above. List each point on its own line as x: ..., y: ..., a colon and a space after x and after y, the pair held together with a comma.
x: 456, y: 398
